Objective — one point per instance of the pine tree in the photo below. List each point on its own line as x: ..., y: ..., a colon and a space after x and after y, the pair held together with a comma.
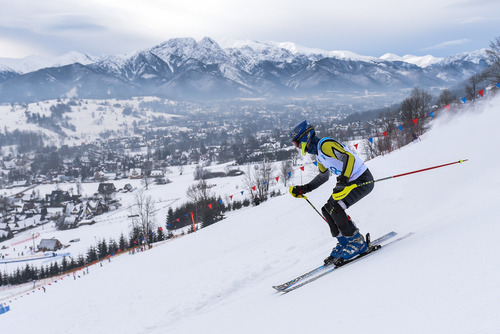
x: 72, y: 263
x: 122, y: 242
x: 135, y: 236
x: 102, y: 250
x: 152, y: 237
x: 81, y: 260
x: 91, y: 255
x: 57, y: 270
x: 43, y: 273
x: 64, y: 264
x: 160, y: 234
x: 112, y: 247
x: 170, y: 215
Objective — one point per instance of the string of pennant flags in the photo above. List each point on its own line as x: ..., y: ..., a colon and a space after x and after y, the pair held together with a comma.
x: 231, y: 197
x: 46, y: 283
x: 464, y: 100
x: 414, y: 121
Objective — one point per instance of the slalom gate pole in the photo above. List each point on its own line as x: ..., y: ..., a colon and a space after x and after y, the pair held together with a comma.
x: 413, y: 172
x: 319, y: 213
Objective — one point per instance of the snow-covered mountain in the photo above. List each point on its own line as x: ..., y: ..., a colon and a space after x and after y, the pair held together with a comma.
x: 420, y: 61
x: 443, y: 279
x: 35, y: 63
x: 186, y: 68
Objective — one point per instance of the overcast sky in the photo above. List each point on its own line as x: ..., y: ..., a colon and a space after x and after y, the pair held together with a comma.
x: 366, y: 27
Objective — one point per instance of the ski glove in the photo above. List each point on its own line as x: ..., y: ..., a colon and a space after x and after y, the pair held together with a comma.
x: 298, y: 191
x: 342, y: 182
x: 341, y: 190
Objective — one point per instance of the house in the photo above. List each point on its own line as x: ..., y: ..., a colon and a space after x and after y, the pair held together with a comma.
x: 30, y: 208
x: 87, y: 222
x: 53, y: 213
x: 109, y: 176
x: 157, y: 173
x: 49, y: 245
x: 70, y: 222
x: 57, y: 197
x: 135, y: 173
x: 5, y: 231
x: 10, y: 165
x: 23, y: 223
x: 106, y: 189
x: 76, y: 210
x: 94, y: 208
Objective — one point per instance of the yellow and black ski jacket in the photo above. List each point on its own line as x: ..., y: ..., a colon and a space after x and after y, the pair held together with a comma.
x: 335, y: 157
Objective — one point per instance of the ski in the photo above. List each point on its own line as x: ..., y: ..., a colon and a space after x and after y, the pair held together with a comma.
x: 313, y: 272
x: 345, y: 263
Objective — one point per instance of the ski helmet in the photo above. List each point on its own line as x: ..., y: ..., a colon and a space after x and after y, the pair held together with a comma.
x: 301, y: 135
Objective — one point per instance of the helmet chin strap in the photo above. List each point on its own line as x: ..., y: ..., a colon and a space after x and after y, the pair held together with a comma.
x: 304, y: 147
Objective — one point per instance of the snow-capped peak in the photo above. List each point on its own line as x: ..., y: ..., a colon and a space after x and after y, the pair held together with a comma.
x: 473, y: 57
x: 420, y: 61
x: 34, y: 63
x: 73, y: 57
x: 293, y: 48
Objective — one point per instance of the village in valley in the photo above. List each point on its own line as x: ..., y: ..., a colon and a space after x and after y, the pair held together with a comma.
x: 72, y: 143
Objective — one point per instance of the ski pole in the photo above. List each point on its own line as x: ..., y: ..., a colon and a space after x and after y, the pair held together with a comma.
x: 340, y: 195
x: 319, y: 213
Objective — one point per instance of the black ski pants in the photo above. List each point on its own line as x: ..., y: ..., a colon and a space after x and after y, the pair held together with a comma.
x: 334, y: 211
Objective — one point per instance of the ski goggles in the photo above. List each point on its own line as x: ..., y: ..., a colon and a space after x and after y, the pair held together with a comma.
x: 302, y: 145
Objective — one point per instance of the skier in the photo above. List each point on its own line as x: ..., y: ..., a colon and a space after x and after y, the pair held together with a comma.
x: 333, y: 156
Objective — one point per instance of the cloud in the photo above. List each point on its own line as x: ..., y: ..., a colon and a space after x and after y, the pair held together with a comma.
x: 16, y: 49
x: 73, y: 23
x: 476, y: 19
x: 447, y: 44
x: 362, y: 26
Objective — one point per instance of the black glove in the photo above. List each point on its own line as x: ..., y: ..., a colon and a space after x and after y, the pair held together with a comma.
x: 342, y: 182
x: 299, y: 191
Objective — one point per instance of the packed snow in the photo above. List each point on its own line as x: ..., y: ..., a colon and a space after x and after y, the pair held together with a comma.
x: 443, y: 279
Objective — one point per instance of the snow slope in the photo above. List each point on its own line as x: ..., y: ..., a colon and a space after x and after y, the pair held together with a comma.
x: 443, y: 279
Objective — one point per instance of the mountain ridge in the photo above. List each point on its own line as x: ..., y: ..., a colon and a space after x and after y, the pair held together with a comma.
x: 183, y: 68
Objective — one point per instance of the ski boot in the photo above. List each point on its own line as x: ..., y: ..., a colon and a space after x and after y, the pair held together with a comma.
x: 336, y: 251
x: 356, y: 245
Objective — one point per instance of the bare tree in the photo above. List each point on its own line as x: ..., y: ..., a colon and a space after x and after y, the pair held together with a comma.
x: 199, y: 192
x: 387, y: 125
x: 284, y: 169
x: 263, y: 178
x: 370, y: 149
x: 79, y: 187
x: 446, y: 97
x: 413, y: 107
x: 148, y: 166
x: 493, y: 72
x: 472, y: 86
x: 295, y: 157
x: 250, y: 178
x: 199, y: 172
x: 142, y: 213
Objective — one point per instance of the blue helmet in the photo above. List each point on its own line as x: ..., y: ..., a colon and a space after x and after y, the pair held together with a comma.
x: 301, y: 135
